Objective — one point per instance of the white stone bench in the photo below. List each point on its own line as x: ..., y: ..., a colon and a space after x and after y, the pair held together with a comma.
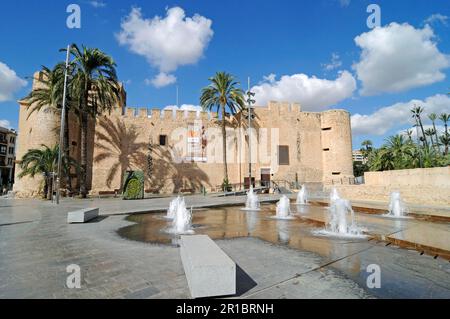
x: 82, y: 215
x: 209, y: 271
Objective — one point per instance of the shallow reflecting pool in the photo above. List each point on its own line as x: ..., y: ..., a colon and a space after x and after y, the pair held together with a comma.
x: 232, y: 222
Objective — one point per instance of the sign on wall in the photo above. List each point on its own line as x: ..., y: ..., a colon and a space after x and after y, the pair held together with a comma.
x: 196, y: 142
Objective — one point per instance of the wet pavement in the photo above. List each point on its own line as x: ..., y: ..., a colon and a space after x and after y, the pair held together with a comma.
x: 405, y: 273
x: 275, y: 258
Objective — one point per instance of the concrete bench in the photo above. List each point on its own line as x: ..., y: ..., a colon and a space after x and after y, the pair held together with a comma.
x: 209, y: 271
x: 82, y: 215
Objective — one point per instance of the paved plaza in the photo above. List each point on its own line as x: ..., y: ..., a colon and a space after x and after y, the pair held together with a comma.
x: 36, y: 246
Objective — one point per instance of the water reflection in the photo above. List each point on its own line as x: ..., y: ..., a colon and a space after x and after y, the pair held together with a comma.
x: 231, y: 222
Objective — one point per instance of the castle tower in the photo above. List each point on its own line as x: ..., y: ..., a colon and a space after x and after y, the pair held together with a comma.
x: 34, y: 130
x: 336, y: 147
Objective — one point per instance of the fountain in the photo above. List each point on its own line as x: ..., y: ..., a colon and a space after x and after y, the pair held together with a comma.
x: 397, y: 207
x: 182, y: 218
x: 342, y: 221
x: 252, y: 202
x: 173, y: 206
x: 302, y: 196
x: 283, y: 209
x: 334, y: 196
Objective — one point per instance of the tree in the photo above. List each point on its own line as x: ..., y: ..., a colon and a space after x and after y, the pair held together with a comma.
x: 445, y: 141
x: 95, y: 82
x: 433, y: 118
x: 417, y: 112
x: 223, y: 94
x: 44, y: 161
x: 445, y: 118
x: 49, y: 95
x: 430, y: 132
x: 409, y: 134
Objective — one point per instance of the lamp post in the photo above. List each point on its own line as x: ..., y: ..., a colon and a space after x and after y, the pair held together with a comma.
x: 62, y: 129
x: 250, y: 101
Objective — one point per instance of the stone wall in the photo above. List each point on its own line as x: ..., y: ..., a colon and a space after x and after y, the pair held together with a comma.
x: 423, y: 186
x: 319, y: 146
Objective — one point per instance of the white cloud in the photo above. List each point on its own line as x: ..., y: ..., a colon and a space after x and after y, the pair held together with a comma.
x: 334, y: 63
x: 437, y: 18
x: 9, y: 83
x: 161, y: 80
x: 311, y: 92
x: 5, y: 124
x: 398, y: 57
x: 398, y: 115
x: 439, y: 128
x: 168, y: 42
x: 184, y: 107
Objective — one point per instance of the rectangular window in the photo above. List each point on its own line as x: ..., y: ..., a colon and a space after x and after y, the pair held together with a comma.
x: 283, y: 155
x: 2, y: 149
x: 336, y: 173
x: 11, y: 150
x: 326, y: 149
x: 326, y: 128
x: 163, y: 140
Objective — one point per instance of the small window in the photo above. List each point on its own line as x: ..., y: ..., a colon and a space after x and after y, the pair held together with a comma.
x: 326, y: 149
x: 283, y: 155
x: 336, y: 173
x: 2, y: 149
x: 11, y: 150
x: 326, y: 128
x: 74, y: 143
x: 163, y: 140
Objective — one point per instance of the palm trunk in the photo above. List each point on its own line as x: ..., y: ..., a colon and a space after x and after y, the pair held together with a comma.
x: 224, y: 145
x: 50, y: 188
x: 45, y: 187
x: 423, y: 134
x: 67, y: 152
x: 83, y: 161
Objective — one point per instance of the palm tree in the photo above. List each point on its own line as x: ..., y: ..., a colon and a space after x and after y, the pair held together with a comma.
x: 417, y: 112
x: 95, y: 82
x: 367, y: 144
x: 49, y: 95
x: 44, y: 161
x: 223, y: 94
x: 409, y: 134
x: 430, y: 132
x: 445, y: 140
x: 433, y: 118
x: 445, y: 118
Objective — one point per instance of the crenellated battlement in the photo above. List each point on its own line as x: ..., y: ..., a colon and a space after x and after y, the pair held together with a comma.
x: 167, y: 115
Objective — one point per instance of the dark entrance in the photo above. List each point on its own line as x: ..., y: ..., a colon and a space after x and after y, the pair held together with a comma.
x: 265, y: 177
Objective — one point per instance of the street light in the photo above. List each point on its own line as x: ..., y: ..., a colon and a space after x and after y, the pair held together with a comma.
x: 61, y: 133
x: 250, y: 101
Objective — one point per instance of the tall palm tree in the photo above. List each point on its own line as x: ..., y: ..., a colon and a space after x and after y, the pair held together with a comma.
x: 445, y: 118
x: 49, y: 96
x: 44, y: 162
x: 416, y: 114
x: 430, y: 133
x: 433, y: 117
x: 95, y: 83
x: 223, y: 94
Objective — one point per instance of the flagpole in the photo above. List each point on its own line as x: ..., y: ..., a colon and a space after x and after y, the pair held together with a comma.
x: 62, y: 129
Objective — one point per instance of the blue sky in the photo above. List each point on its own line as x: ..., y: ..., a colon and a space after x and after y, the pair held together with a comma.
x: 294, y: 39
